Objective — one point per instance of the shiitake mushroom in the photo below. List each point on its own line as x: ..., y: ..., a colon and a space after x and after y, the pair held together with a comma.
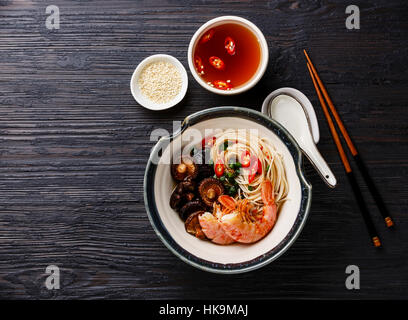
x: 189, y: 196
x: 205, y: 170
x: 183, y: 192
x: 175, y: 199
x: 193, y: 226
x: 189, y: 208
x: 210, y: 189
x: 188, y: 185
x: 179, y: 188
x: 185, y: 168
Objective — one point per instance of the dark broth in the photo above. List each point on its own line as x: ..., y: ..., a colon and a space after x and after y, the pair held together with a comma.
x: 239, y: 51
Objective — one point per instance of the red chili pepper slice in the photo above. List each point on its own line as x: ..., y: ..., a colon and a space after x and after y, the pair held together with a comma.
x: 251, y: 177
x: 199, y: 64
x: 259, y: 167
x: 219, y: 168
x: 252, y: 173
x: 245, y: 159
x: 208, y: 142
x: 254, y: 161
x: 217, y: 63
x: 255, y: 168
x: 229, y: 44
x: 222, y: 85
x: 207, y: 37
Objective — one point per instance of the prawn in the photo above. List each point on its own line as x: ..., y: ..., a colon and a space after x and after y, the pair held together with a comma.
x: 243, y: 224
x: 211, y: 227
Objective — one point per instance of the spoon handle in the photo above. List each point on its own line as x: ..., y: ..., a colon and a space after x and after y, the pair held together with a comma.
x: 313, y: 154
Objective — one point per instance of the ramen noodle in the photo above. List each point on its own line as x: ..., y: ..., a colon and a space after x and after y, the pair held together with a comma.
x: 230, y: 145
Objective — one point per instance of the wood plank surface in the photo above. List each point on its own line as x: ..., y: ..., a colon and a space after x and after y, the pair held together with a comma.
x: 74, y: 146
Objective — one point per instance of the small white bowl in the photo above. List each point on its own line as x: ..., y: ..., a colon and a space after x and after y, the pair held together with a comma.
x: 143, y: 100
x: 223, y: 20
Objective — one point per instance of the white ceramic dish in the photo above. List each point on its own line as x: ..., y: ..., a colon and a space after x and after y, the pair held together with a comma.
x: 144, y: 101
x: 236, y: 258
x: 219, y: 21
x: 292, y: 109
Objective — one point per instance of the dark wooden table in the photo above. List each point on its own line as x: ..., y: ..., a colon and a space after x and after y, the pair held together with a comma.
x: 74, y: 145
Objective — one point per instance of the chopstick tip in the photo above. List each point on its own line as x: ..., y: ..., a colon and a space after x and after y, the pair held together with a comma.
x: 377, y: 242
x: 389, y: 222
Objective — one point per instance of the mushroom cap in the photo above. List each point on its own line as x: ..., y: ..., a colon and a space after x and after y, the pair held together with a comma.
x: 189, y: 208
x: 188, y: 185
x: 205, y: 171
x: 201, y: 159
x: 175, y: 199
x: 210, y: 189
x: 193, y: 226
x: 185, y: 168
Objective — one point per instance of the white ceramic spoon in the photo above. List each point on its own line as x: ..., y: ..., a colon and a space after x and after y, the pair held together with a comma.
x: 288, y: 111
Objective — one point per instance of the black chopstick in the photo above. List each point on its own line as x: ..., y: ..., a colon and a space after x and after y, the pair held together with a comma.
x: 364, y: 172
x: 350, y: 175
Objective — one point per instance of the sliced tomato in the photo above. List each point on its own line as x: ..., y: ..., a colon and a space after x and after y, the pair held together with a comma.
x: 229, y: 44
x: 245, y: 159
x: 198, y: 64
x: 217, y: 63
x: 219, y: 168
x: 208, y: 142
x: 207, y: 37
x: 222, y: 85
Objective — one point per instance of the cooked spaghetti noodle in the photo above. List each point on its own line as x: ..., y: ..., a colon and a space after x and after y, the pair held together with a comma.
x: 231, y: 144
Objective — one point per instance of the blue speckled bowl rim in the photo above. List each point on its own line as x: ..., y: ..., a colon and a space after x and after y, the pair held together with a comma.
x: 263, y: 259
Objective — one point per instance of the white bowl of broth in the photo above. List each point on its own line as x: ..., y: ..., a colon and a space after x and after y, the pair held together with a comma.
x: 228, y: 55
x: 236, y: 257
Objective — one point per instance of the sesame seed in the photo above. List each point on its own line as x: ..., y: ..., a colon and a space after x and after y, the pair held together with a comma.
x: 160, y: 82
